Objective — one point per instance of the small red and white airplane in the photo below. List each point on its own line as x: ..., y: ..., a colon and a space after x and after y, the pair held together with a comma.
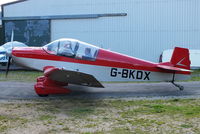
x: 69, y: 61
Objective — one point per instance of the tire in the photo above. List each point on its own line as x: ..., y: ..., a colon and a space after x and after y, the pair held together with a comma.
x: 43, y: 95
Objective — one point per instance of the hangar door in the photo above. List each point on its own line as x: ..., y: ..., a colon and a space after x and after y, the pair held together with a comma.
x: 30, y: 32
x: 1, y: 36
x: 94, y: 31
x: 72, y: 28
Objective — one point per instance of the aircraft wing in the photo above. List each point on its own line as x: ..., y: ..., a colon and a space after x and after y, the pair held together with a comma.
x: 72, y: 77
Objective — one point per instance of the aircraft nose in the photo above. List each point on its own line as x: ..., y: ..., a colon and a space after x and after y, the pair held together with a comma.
x: 20, y: 51
x: 28, y: 52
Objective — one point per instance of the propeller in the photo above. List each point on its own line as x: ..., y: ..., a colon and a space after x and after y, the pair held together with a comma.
x: 12, y: 36
x: 8, y: 65
x: 9, y: 54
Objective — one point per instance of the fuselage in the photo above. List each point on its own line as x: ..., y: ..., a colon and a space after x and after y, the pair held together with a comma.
x: 107, y: 65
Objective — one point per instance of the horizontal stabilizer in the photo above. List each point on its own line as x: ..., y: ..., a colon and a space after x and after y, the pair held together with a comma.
x: 171, y: 68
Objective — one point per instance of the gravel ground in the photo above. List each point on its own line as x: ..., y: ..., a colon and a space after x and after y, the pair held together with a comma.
x: 25, y: 90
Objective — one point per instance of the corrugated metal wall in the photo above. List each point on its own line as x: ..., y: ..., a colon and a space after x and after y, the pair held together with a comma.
x: 150, y: 26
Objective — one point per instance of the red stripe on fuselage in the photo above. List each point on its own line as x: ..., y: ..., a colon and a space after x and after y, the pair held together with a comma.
x: 104, y: 58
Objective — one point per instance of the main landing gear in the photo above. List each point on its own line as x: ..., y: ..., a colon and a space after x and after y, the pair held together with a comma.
x: 177, y: 85
x: 45, y: 86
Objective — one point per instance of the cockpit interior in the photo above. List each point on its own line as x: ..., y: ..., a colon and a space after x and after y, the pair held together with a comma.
x: 73, y: 49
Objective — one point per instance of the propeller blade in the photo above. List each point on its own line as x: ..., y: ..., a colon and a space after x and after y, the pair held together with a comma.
x: 12, y: 36
x: 8, y: 65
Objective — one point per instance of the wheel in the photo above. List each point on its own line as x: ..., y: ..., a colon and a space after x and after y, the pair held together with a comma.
x: 181, y: 88
x: 43, y: 95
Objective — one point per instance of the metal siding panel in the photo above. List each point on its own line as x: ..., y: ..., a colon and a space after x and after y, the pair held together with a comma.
x: 150, y: 27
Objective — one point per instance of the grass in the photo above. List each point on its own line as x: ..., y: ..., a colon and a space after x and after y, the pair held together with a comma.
x: 98, y: 116
x: 22, y: 76
x: 80, y: 111
x: 195, y: 78
x: 186, y: 125
x: 164, y: 109
x: 46, y: 117
x: 104, y: 116
x: 195, y: 75
x: 7, y: 122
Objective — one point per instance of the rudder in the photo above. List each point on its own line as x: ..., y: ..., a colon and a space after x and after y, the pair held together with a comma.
x: 180, y: 58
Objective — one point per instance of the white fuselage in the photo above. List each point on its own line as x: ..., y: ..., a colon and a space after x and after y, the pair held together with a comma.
x: 101, y: 73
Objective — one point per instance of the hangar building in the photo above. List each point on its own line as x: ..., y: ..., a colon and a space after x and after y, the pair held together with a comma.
x: 1, y: 31
x: 140, y: 28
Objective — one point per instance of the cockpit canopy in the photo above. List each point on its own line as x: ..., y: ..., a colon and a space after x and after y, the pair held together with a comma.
x: 72, y: 48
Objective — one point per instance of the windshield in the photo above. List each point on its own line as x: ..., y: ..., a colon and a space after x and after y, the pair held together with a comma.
x: 72, y: 48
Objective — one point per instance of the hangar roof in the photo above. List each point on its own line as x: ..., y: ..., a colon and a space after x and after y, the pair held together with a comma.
x: 9, y: 3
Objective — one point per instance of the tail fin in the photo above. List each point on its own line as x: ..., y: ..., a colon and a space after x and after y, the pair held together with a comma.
x: 180, y: 58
